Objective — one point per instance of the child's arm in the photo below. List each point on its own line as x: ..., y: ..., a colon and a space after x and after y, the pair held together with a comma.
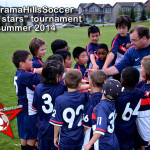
x: 56, y: 131
x: 95, y: 137
x: 92, y: 58
x: 38, y: 70
x: 109, y: 59
x: 84, y: 87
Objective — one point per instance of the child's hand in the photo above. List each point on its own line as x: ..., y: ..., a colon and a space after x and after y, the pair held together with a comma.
x: 95, y: 66
x: 56, y: 140
x: 87, y: 146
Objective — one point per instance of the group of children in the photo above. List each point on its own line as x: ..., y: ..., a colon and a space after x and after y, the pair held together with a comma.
x: 61, y: 114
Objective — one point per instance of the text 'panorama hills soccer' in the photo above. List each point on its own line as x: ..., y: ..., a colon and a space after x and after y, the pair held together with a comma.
x: 35, y: 9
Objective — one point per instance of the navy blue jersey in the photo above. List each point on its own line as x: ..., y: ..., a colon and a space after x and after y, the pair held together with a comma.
x: 118, y: 46
x: 143, y: 119
x: 24, y: 82
x: 100, y: 63
x: 43, y: 103
x: 82, y: 69
x: 37, y: 62
x: 92, y: 102
x: 91, y: 48
x: 68, y: 113
x: 127, y: 106
x: 133, y: 58
x: 103, y: 123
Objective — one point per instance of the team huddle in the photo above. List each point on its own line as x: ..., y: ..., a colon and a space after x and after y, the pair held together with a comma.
x: 101, y: 104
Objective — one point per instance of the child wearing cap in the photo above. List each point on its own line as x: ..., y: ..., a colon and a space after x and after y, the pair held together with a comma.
x: 104, y: 116
x: 96, y: 82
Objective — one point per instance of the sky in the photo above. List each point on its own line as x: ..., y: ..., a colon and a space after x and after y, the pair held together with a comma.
x: 58, y: 3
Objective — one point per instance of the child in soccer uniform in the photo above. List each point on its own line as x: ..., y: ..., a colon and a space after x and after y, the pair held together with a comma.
x: 102, y: 51
x: 93, y: 35
x: 44, y: 101
x: 67, y: 114
x: 81, y: 58
x: 127, y: 106
x: 56, y: 57
x: 24, y: 81
x: 96, y: 82
x: 143, y: 119
x: 104, y: 116
x: 38, y: 49
x: 66, y: 56
x: 118, y: 45
x: 59, y: 44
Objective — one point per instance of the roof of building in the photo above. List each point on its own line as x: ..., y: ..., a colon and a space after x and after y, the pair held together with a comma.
x: 86, y: 5
x: 126, y: 4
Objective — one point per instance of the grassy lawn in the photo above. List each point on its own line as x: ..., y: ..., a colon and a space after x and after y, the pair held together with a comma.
x: 11, y: 41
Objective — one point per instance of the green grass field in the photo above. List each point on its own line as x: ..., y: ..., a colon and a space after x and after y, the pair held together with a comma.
x: 11, y: 41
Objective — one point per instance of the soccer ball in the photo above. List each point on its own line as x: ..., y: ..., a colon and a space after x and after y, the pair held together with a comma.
x: 4, y: 122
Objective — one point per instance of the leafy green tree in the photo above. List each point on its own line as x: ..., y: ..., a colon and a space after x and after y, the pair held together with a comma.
x: 94, y: 18
x: 120, y: 12
x: 24, y: 22
x: 143, y: 15
x: 148, y: 13
x: 1, y: 22
x: 132, y: 14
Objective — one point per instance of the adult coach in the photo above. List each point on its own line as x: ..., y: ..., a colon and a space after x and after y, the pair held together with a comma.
x: 140, y: 39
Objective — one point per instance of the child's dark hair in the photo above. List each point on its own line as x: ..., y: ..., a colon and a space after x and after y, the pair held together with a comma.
x: 51, y: 69
x: 97, y: 77
x: 19, y: 56
x: 56, y: 57
x: 35, y: 44
x: 93, y: 29
x: 130, y: 77
x: 58, y: 44
x: 77, y: 51
x: 123, y: 20
x: 146, y: 65
x: 63, y: 53
x: 73, y: 78
x: 102, y: 46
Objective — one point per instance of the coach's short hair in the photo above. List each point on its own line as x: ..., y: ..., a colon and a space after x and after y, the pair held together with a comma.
x: 73, y: 78
x: 19, y: 56
x: 97, y: 77
x: 141, y: 31
x: 146, y: 64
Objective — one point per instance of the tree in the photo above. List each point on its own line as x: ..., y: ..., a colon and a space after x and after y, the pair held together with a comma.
x: 143, y: 15
x: 148, y: 13
x: 24, y: 22
x: 1, y: 22
x: 132, y: 14
x: 107, y: 16
x: 120, y: 12
x: 94, y: 18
